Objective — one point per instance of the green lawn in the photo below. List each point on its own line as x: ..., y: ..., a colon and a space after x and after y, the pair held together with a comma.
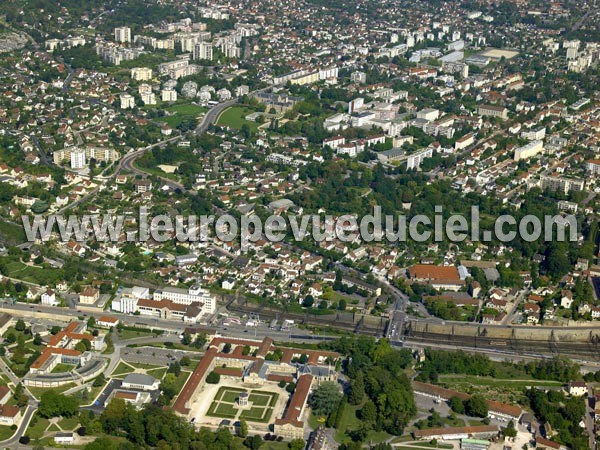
x: 509, y: 390
x: 157, y: 373
x: 69, y: 424
x: 132, y: 334
x: 348, y: 422
x: 31, y: 274
x: 12, y: 234
x: 181, y: 112
x: 36, y: 430
x: 268, y: 445
x: 62, y: 368
x: 6, y: 432
x: 257, y: 414
x: 225, y: 410
x: 262, y: 398
x: 38, y: 391
x: 234, y: 117
x: 225, y: 404
x: 122, y: 369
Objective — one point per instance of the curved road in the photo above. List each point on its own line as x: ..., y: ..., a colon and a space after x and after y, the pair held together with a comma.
x: 209, y: 119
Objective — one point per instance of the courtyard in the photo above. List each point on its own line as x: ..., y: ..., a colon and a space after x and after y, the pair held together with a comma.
x: 217, y: 402
x: 259, y: 406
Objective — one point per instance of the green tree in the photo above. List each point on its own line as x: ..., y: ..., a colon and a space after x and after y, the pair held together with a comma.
x: 213, y: 378
x: 53, y: 404
x: 296, y: 444
x: 510, y: 430
x: 357, y: 390
x: 456, y: 405
x: 99, y: 380
x: 325, y: 398
x: 242, y: 430
x: 476, y: 406
x: 368, y: 413
x: 20, y: 325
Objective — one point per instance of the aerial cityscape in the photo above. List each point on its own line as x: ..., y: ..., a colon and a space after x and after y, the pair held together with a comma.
x: 305, y: 225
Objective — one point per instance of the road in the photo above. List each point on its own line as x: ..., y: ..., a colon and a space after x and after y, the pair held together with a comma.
x: 32, y: 406
x: 590, y: 425
x: 171, y: 326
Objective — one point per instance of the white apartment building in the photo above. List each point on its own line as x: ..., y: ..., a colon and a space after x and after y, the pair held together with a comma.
x: 123, y: 34
x: 534, y: 135
x: 149, y: 98
x: 529, y: 150
x: 49, y: 298
x: 98, y: 153
x: 169, y: 95
x: 127, y: 101
x: 141, y: 73
x: 186, y: 297
x: 415, y: 160
x: 593, y: 166
x: 358, y: 77
x: 203, y: 50
x: 429, y: 114
x: 127, y: 302
x: 242, y: 90
x: 78, y: 159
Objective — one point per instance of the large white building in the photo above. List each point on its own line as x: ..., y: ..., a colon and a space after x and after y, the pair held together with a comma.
x: 123, y: 34
x: 203, y: 50
x: 415, y: 160
x: 194, y: 294
x: 593, y: 166
x: 529, y: 150
x: 169, y: 95
x: 141, y: 73
x: 127, y: 101
x: 127, y: 302
x: 78, y: 159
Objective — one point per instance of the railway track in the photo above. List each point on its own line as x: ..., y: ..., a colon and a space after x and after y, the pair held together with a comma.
x: 584, y: 350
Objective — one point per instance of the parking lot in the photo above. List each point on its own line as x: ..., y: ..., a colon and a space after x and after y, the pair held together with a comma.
x: 155, y: 356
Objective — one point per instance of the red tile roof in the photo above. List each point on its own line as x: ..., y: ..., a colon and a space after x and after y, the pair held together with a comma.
x: 457, y: 431
x: 293, y: 411
x: 9, y: 410
x: 431, y: 272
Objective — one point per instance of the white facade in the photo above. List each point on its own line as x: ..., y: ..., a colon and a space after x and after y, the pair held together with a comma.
x: 169, y: 95
x: 127, y: 101
x: 187, y: 297
x: 141, y: 73
x: 78, y: 159
x: 203, y: 50
x: 415, y: 160
x: 529, y: 150
x: 123, y: 34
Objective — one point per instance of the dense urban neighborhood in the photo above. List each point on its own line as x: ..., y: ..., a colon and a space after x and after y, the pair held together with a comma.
x: 312, y: 225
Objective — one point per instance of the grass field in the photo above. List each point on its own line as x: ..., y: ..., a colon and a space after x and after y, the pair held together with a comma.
x: 122, y: 369
x: 62, y: 368
x: 6, y: 432
x: 225, y: 405
x: 257, y: 414
x: 36, y: 430
x: 350, y: 421
x: 69, y: 424
x: 234, y: 118
x: 11, y: 234
x: 180, y: 112
x: 502, y: 389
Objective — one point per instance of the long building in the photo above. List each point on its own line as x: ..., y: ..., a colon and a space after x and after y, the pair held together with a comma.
x: 97, y: 153
x: 529, y: 150
x: 255, y: 368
